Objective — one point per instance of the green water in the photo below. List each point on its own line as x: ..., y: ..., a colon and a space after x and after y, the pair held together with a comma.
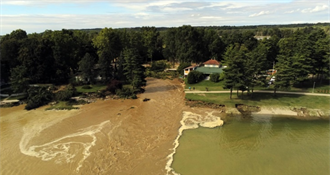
x: 261, y: 145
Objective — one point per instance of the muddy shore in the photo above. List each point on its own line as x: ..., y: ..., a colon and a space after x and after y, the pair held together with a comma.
x: 137, y: 138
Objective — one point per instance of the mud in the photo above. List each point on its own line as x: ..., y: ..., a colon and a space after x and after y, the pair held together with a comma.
x: 105, y: 137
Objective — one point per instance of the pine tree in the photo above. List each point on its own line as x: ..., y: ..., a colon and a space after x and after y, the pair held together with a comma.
x: 133, y: 69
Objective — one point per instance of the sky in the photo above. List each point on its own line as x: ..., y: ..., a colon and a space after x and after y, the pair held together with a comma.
x: 40, y: 15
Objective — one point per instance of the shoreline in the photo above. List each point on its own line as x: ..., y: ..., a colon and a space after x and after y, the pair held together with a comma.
x: 191, y: 120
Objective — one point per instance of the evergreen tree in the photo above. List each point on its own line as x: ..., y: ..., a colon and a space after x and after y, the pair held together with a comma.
x: 234, y: 73
x: 133, y: 69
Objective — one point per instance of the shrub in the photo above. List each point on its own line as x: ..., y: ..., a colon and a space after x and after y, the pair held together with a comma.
x: 214, y: 77
x: 195, y: 77
x: 125, y: 92
x: 38, y: 96
x: 64, y: 95
x: 114, y: 85
x: 158, y: 66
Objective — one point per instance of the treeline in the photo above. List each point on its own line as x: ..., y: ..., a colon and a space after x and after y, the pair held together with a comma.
x: 296, y: 56
x: 58, y: 56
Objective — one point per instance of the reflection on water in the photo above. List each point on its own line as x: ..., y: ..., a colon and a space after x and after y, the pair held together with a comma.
x: 258, y: 145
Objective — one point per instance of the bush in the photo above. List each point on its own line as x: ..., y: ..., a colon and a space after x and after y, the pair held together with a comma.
x: 114, y: 85
x: 125, y: 93
x: 158, y: 66
x: 38, y: 96
x: 214, y: 77
x: 195, y: 77
x: 64, y: 95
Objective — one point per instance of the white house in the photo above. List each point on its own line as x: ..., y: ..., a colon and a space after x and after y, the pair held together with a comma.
x: 211, y: 63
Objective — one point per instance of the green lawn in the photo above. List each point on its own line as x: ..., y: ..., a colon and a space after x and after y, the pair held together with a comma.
x: 94, y: 88
x: 260, y: 99
x: 201, y: 86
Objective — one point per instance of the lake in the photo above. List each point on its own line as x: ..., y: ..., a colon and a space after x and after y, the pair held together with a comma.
x: 258, y: 145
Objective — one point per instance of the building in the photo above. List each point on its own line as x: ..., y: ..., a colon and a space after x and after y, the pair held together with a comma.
x: 187, y: 70
x: 212, y: 63
x: 207, y: 68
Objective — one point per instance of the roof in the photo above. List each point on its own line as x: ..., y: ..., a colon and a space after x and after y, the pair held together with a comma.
x: 213, y: 62
x: 190, y: 67
x: 209, y: 70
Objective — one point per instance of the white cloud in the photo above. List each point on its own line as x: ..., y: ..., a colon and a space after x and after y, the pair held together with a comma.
x: 318, y: 8
x: 260, y: 14
x: 166, y: 13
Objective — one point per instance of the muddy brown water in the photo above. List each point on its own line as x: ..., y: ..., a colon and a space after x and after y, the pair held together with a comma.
x: 106, y: 137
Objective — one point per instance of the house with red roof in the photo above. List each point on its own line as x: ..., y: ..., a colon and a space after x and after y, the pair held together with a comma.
x: 212, y: 63
x: 209, y: 67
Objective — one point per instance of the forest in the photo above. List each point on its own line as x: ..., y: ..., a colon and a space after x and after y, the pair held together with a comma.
x: 57, y: 57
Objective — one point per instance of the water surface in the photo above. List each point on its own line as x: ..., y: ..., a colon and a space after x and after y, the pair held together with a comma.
x: 260, y: 145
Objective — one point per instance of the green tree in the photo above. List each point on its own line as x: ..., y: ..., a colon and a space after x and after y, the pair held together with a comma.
x: 86, y: 65
x: 18, y: 79
x: 109, y: 45
x: 150, y: 41
x: 234, y: 77
x: 214, y: 77
x: 195, y: 77
x: 38, y: 96
x: 133, y: 69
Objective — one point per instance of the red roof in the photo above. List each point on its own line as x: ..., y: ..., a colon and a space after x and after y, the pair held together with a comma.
x: 212, y: 62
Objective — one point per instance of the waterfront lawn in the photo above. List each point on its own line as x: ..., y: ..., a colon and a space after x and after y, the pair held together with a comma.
x: 94, y: 88
x: 307, y: 87
x: 201, y: 86
x: 264, y: 99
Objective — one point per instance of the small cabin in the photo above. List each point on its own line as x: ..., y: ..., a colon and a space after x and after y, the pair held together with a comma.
x: 187, y: 70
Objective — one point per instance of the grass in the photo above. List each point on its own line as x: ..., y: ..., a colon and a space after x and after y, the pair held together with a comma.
x: 201, y: 86
x: 62, y: 105
x: 319, y: 88
x: 94, y: 88
x: 261, y: 99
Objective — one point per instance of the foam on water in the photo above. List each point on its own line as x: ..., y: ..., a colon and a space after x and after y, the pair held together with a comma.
x: 191, y: 121
x: 63, y: 149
